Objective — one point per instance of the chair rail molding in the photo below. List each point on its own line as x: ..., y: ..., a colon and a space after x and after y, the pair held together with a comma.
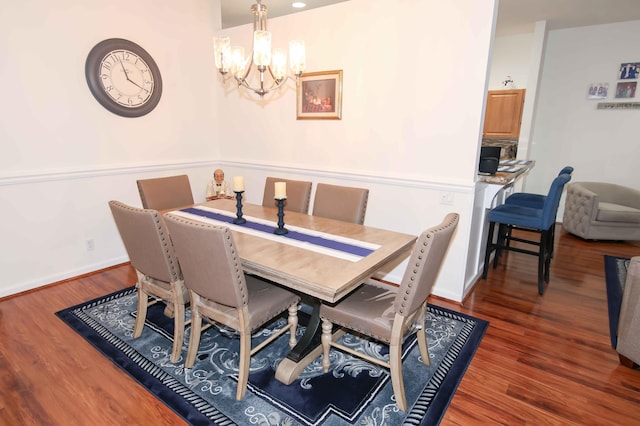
x: 405, y: 181
x: 37, y: 176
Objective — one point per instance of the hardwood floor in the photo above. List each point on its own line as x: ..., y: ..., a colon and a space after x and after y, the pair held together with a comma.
x: 544, y: 360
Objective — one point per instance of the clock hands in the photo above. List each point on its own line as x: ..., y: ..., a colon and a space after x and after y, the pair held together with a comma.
x: 126, y: 74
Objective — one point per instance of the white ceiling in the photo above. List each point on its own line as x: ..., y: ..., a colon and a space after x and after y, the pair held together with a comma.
x: 514, y: 16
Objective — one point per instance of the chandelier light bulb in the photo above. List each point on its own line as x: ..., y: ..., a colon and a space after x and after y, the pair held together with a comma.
x: 279, y: 63
x: 238, y: 61
x: 297, y: 57
x: 271, y: 66
x: 222, y: 53
x: 262, y: 48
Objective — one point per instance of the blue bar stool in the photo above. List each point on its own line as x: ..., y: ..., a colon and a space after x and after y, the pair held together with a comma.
x: 540, y: 220
x: 527, y: 199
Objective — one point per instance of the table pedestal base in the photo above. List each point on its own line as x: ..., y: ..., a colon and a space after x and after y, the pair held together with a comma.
x: 289, y: 370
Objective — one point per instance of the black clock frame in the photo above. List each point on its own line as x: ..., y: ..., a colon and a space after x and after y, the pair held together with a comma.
x: 92, y: 73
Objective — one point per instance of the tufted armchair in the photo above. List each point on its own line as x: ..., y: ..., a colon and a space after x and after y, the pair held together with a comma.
x: 602, y: 211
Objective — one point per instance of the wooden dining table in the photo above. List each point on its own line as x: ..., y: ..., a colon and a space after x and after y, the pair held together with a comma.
x: 323, y: 274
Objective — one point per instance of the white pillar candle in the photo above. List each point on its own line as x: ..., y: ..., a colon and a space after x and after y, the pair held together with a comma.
x: 281, y: 190
x: 238, y: 183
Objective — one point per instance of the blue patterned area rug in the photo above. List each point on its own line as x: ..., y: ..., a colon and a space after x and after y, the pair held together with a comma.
x: 352, y: 392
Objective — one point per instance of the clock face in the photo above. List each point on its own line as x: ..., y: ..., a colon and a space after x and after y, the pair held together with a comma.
x: 126, y: 78
x: 123, y: 77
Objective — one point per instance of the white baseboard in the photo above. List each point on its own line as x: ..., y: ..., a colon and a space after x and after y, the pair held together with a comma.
x: 51, y: 279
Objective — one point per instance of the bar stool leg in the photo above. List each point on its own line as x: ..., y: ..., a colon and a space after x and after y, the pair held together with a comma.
x: 489, y: 248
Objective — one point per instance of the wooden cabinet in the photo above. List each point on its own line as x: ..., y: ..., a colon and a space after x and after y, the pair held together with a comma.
x: 503, y: 114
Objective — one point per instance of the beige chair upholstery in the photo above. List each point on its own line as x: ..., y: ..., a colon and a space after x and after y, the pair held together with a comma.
x: 602, y: 211
x: 341, y: 202
x: 165, y: 193
x: 628, y: 346
x: 222, y: 293
x: 298, y: 194
x: 151, y: 253
x: 388, y: 313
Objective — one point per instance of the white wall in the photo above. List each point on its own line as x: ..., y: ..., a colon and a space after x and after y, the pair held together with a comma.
x: 412, y: 109
x: 511, y: 56
x: 64, y: 156
x: 568, y: 130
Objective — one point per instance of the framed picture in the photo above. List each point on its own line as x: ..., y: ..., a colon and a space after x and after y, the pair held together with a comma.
x: 626, y: 90
x: 319, y: 96
x: 629, y: 71
x: 598, y: 91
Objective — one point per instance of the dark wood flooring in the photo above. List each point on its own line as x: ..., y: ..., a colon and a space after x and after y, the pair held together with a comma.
x: 544, y: 360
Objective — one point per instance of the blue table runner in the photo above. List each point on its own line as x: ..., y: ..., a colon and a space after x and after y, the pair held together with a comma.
x: 294, y: 235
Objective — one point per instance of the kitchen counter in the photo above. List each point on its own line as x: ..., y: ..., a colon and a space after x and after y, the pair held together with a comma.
x: 508, y: 172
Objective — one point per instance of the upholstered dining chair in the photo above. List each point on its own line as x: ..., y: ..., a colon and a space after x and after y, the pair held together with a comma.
x: 341, y: 202
x: 541, y: 221
x: 388, y: 313
x: 151, y: 253
x: 298, y: 194
x: 166, y: 192
x: 221, y: 292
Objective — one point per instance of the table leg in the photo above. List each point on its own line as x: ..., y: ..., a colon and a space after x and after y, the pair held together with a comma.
x: 311, y: 337
x: 307, y: 349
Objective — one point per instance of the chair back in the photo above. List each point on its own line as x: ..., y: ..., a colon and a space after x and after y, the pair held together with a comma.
x: 341, y: 202
x: 209, y: 260
x: 147, y: 242
x: 566, y: 171
x: 424, y: 265
x: 165, y: 193
x: 298, y: 194
x: 550, y: 207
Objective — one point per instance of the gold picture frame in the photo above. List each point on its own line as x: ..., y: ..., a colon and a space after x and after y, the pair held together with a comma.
x: 319, y: 96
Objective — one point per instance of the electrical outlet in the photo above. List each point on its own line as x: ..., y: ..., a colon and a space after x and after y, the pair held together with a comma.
x: 90, y: 245
x: 446, y: 198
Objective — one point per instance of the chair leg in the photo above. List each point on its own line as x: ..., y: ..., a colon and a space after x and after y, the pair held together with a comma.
x: 245, y: 363
x: 489, y: 248
x: 507, y: 242
x: 422, y: 339
x: 143, y: 303
x: 293, y: 324
x: 395, y: 365
x: 552, y: 238
x: 542, y: 262
x: 196, y: 330
x: 178, y: 330
x: 327, y: 328
x: 548, y: 254
x: 500, y: 243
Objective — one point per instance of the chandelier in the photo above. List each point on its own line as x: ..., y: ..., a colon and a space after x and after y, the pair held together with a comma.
x: 271, y: 65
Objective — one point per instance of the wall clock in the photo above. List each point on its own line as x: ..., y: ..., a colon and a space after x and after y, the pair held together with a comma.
x: 123, y: 77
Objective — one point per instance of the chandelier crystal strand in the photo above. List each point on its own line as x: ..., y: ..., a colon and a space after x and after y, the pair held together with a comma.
x: 233, y: 60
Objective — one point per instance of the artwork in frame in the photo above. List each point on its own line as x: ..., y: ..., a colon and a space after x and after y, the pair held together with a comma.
x: 598, y: 91
x: 626, y: 90
x: 319, y: 96
x: 629, y: 71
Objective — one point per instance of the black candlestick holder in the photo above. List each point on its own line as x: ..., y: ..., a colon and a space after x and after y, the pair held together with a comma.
x: 280, y: 230
x: 239, y: 219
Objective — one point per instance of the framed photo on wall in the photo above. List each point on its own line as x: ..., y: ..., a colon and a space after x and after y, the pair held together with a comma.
x: 629, y: 71
x: 598, y: 91
x: 626, y: 89
x: 319, y: 96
